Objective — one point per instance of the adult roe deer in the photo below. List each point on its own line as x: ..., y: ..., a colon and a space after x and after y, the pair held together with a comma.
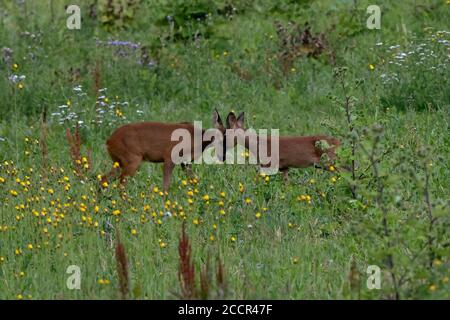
x: 133, y: 143
x: 294, y: 151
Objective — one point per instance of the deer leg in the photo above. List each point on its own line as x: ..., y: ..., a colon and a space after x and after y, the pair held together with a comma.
x: 187, y: 167
x: 112, y: 174
x: 285, y: 172
x: 167, y: 174
x: 129, y: 168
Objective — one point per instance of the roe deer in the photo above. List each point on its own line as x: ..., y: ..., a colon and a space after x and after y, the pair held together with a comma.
x: 133, y: 143
x: 294, y: 152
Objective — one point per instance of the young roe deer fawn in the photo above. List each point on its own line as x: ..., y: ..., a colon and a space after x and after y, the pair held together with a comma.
x: 133, y: 143
x: 294, y: 152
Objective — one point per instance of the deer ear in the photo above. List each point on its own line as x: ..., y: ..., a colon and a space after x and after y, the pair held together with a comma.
x: 217, y: 121
x: 240, y: 120
x: 231, y: 119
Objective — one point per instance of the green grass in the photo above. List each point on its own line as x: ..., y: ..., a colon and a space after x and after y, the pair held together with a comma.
x: 296, y: 249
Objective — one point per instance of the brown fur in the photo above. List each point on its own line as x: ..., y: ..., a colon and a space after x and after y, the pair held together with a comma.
x: 133, y: 143
x: 301, y: 152
x: 294, y: 152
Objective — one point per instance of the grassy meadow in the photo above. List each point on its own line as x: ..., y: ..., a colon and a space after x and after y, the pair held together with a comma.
x: 383, y: 92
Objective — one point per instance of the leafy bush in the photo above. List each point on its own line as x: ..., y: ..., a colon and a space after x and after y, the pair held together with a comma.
x: 115, y: 14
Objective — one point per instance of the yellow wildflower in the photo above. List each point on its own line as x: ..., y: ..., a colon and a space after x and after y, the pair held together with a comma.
x: 437, y: 262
